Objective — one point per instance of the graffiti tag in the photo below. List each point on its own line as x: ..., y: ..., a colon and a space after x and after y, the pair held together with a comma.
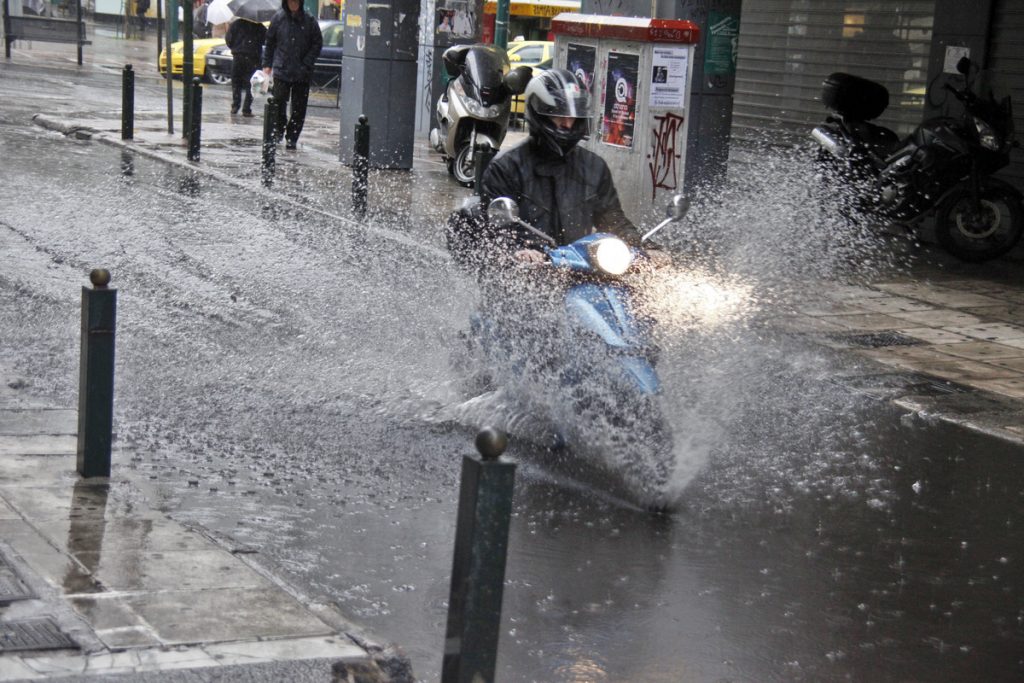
x: 665, y: 153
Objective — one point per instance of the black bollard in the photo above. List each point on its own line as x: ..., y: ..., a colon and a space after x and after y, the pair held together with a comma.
x: 484, y: 153
x: 195, y: 134
x: 127, y: 103
x: 269, y: 140
x: 96, y: 376
x: 478, y: 569
x: 360, y: 166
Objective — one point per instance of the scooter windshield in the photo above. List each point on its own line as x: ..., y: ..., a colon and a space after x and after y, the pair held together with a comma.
x: 483, y: 73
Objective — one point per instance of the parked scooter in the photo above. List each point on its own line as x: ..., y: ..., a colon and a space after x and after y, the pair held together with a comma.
x: 944, y: 168
x: 603, y: 356
x: 474, y: 109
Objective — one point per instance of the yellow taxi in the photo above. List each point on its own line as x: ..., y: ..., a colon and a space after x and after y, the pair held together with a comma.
x: 537, y: 54
x: 200, y: 47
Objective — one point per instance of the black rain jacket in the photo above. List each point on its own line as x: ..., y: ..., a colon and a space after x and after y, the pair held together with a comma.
x: 293, y: 44
x: 245, y: 38
x: 565, y: 197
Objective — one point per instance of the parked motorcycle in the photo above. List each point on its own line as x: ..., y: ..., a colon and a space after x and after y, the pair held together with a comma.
x: 474, y: 108
x: 598, y: 347
x: 944, y: 168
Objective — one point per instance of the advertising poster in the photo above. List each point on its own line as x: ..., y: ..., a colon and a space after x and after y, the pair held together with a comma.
x: 668, y: 77
x: 582, y: 60
x: 620, y: 99
x: 722, y: 44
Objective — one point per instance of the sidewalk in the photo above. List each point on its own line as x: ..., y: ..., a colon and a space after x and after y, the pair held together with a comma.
x: 96, y: 582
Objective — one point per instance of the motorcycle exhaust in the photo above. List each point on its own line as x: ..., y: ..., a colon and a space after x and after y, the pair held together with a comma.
x: 829, y: 143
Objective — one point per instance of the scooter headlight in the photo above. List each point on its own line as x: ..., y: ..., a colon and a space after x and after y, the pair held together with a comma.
x: 987, y: 137
x: 612, y: 256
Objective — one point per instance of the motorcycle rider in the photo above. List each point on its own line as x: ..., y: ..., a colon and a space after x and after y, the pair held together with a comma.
x: 562, y: 189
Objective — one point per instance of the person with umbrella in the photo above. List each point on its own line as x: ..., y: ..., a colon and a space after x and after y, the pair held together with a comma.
x: 245, y: 39
x: 292, y: 46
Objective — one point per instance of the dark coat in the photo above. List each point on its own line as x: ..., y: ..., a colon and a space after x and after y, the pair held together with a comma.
x: 245, y: 38
x: 292, y: 45
x: 567, y: 197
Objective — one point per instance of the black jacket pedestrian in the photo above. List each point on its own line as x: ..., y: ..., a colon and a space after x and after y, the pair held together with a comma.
x: 292, y: 45
x: 565, y: 197
x: 245, y: 38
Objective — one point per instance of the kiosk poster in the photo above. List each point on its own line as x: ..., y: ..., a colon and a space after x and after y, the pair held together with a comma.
x: 620, y: 83
x: 581, y: 60
x: 668, y: 77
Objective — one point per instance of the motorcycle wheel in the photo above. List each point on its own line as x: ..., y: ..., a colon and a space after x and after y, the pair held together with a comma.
x: 462, y: 167
x: 977, y: 236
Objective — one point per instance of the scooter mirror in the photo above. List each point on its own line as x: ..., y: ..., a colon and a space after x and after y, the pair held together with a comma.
x: 964, y: 65
x: 503, y: 211
x: 678, y: 206
x: 517, y: 79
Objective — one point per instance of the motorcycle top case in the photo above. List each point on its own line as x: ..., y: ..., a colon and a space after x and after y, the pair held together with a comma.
x: 854, y: 97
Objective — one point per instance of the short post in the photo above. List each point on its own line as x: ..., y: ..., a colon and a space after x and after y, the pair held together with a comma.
x: 96, y: 376
x: 483, y: 153
x: 360, y: 166
x: 269, y: 140
x: 127, y: 103
x: 195, y: 134
x: 478, y: 569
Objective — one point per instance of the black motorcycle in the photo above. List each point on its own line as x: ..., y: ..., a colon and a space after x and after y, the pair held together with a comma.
x: 944, y: 167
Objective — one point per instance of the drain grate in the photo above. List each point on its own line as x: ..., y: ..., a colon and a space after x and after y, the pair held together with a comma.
x: 33, y: 634
x: 11, y: 587
x: 903, y: 383
x: 876, y: 340
x: 929, y: 386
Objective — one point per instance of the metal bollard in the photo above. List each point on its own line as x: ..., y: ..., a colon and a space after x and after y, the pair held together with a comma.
x: 195, y: 133
x: 478, y: 569
x: 360, y: 166
x: 484, y: 153
x: 127, y: 103
x: 269, y: 140
x: 96, y: 376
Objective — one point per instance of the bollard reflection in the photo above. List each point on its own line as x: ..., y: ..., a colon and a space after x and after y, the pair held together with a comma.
x: 189, y: 185
x: 127, y: 163
x: 87, y: 517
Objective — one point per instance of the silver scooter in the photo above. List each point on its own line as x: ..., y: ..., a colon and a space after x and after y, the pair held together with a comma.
x: 474, y: 108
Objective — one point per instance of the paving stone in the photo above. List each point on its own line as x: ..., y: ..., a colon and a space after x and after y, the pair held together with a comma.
x: 984, y: 351
x: 932, y: 335
x: 38, y: 421
x: 867, y: 322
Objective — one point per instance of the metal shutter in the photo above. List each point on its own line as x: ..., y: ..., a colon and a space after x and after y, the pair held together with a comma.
x: 788, y: 47
x: 1006, y: 63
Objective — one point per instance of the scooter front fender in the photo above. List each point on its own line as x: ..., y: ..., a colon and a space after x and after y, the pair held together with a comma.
x: 603, y: 310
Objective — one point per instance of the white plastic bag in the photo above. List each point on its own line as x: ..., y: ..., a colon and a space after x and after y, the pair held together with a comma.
x: 260, y: 83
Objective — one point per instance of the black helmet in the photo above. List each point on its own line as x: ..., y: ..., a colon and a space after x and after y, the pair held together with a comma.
x: 557, y: 92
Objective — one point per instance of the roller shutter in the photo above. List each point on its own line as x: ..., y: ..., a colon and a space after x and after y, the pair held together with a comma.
x: 788, y: 47
x: 1006, y: 62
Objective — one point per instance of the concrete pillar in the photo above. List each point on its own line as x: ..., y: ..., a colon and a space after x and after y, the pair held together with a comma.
x: 714, y: 76
x: 443, y: 23
x: 379, y: 79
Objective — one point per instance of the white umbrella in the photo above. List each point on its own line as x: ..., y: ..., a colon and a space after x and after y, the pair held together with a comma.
x: 218, y: 12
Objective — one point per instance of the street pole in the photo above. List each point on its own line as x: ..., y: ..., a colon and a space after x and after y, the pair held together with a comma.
x: 159, y: 28
x: 80, y: 27
x: 186, y: 72
x: 501, y: 24
x: 8, y: 36
x: 172, y: 25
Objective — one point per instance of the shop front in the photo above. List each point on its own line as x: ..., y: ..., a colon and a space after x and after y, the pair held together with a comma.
x: 528, y: 20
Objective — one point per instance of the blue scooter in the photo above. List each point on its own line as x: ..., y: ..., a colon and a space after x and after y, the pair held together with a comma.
x: 604, y: 360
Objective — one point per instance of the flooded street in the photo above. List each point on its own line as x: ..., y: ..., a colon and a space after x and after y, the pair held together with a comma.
x: 288, y: 382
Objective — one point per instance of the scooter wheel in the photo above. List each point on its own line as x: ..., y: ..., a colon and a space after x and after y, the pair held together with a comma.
x: 462, y: 167
x: 983, y: 232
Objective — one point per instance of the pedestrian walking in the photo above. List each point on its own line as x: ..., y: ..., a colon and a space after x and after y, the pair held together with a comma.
x: 245, y: 40
x: 141, y: 7
x: 292, y: 46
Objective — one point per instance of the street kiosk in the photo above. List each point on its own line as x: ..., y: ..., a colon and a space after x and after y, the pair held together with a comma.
x: 639, y: 72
